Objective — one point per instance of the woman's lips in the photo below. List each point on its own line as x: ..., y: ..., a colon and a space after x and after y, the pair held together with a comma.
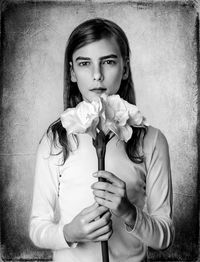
x: 98, y: 90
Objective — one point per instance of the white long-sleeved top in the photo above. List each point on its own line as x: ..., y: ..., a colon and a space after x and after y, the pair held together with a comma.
x: 62, y: 191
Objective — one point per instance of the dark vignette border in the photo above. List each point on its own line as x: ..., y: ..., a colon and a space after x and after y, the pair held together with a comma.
x: 5, y: 5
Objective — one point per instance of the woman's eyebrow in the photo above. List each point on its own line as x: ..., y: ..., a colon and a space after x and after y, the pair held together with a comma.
x: 82, y: 58
x: 101, y: 58
x: 109, y: 56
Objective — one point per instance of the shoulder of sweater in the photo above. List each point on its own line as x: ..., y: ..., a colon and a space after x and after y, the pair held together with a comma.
x: 153, y: 138
x: 47, y: 147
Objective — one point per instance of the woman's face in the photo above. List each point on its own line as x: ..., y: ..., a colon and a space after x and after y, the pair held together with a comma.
x: 98, y: 68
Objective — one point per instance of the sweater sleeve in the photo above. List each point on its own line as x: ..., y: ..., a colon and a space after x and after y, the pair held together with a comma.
x: 154, y: 227
x: 44, y: 231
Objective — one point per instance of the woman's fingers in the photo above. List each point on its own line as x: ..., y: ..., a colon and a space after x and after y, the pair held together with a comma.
x: 107, y: 187
x: 106, y: 195
x: 110, y: 178
x: 94, y: 214
x: 100, y: 222
x: 104, y: 237
x: 103, y: 233
x: 91, y: 222
x: 89, y: 209
x: 111, y: 194
x: 100, y: 228
x: 107, y: 203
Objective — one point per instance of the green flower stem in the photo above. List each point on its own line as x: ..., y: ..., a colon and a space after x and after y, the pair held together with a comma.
x: 100, y: 146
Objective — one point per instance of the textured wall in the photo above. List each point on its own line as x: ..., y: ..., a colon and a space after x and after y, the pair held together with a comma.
x: 163, y: 39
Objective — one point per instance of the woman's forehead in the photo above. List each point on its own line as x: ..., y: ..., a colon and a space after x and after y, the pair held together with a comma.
x: 99, y: 48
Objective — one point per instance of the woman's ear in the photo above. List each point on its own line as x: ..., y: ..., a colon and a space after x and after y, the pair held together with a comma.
x: 72, y: 73
x: 126, y: 70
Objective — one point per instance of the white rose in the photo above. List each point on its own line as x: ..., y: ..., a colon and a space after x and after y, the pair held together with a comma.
x: 120, y: 116
x: 115, y: 110
x: 82, y: 119
x: 115, y: 117
x: 135, y: 116
x: 108, y: 113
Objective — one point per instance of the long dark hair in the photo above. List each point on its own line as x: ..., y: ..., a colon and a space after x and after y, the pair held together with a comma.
x: 88, y: 32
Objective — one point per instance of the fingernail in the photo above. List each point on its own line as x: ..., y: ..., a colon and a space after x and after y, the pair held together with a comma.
x: 95, y: 174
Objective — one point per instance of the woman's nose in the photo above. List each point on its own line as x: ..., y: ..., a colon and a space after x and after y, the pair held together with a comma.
x: 98, y: 75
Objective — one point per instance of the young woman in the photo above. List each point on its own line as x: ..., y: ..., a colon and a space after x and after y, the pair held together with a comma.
x: 71, y: 211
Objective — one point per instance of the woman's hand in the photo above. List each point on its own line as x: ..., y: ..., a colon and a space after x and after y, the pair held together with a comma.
x: 112, y: 194
x: 91, y: 224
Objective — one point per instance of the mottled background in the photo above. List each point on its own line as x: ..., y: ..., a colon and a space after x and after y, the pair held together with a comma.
x: 164, y: 39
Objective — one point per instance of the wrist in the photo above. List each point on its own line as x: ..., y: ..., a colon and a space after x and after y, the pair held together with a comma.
x: 67, y: 235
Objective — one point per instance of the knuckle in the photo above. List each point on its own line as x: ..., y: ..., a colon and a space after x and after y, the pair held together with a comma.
x: 109, y: 227
x: 82, y: 220
x: 100, y: 211
x: 104, y: 194
x: 104, y: 209
x: 85, y: 230
x: 123, y: 194
x: 106, y: 228
x: 123, y: 184
x: 97, y: 212
x: 90, y: 237
x: 104, y: 220
x: 109, y: 216
x: 101, y: 202
x: 110, y: 234
x: 106, y: 186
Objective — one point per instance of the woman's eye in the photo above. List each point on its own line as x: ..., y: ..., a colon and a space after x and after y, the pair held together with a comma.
x: 84, y: 63
x: 110, y: 62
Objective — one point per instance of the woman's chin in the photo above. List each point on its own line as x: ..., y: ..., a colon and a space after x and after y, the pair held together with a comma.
x: 93, y: 96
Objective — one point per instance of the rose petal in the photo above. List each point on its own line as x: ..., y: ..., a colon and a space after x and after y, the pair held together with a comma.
x: 116, y: 110
x: 125, y: 133
x: 93, y: 128
x: 136, y: 120
x: 82, y: 118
